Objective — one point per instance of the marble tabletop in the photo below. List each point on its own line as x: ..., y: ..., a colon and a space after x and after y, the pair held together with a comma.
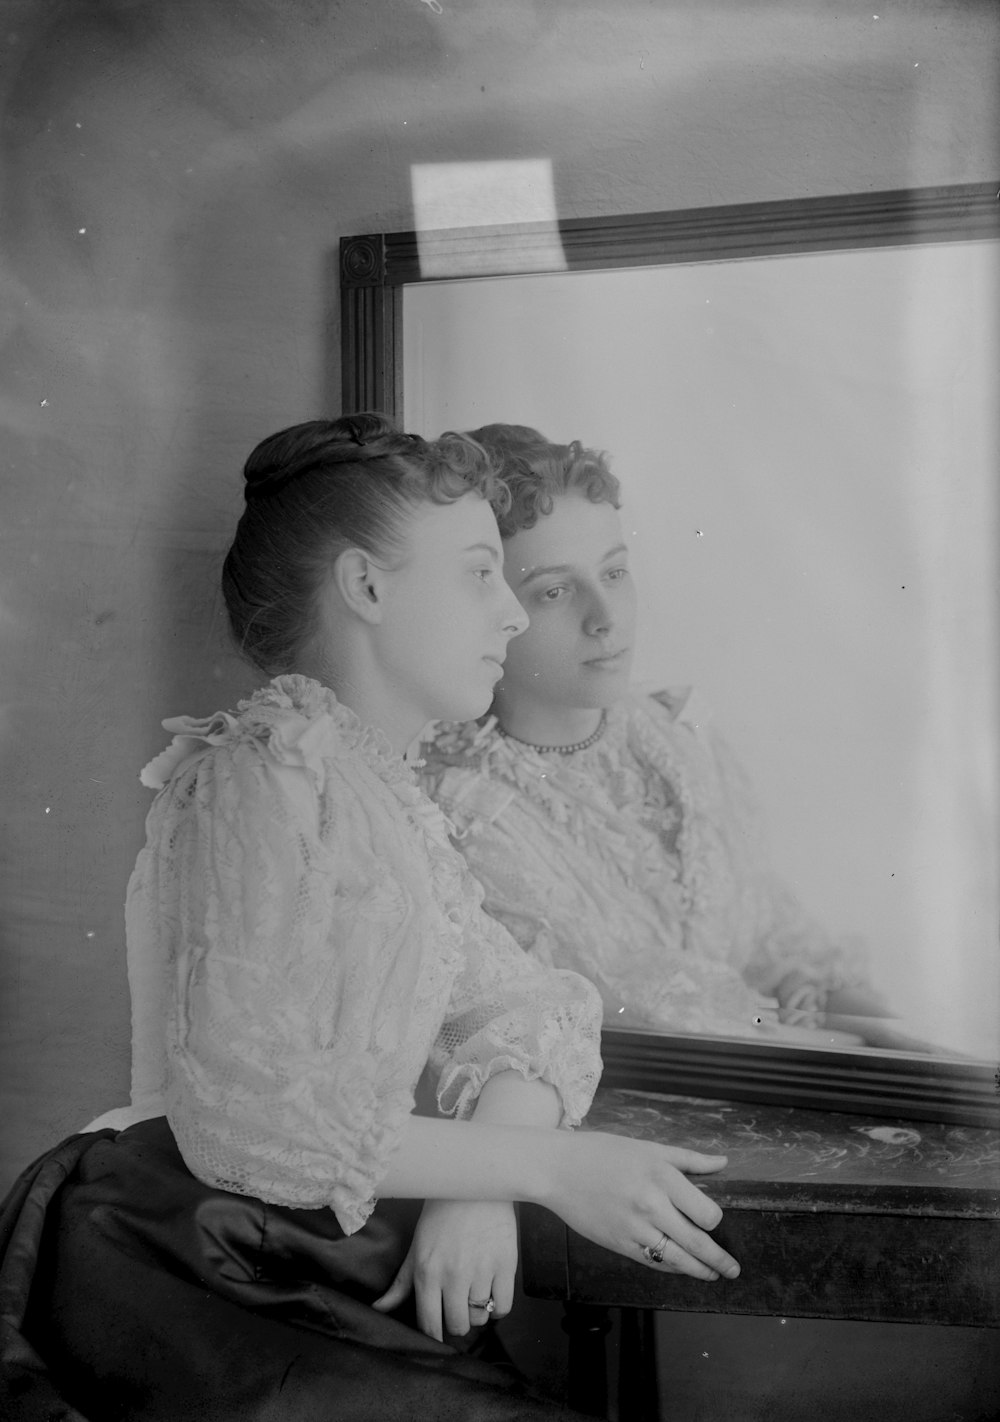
x: 818, y: 1160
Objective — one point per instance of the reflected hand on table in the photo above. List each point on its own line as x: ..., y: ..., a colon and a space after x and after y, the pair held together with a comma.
x: 886, y: 1032
x: 858, y: 1002
x: 462, y: 1250
x: 859, y: 1010
x: 801, y: 1000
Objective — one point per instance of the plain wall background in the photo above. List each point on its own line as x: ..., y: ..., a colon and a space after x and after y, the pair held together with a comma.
x: 176, y: 179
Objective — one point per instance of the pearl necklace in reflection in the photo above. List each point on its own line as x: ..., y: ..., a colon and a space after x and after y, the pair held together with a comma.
x: 585, y: 744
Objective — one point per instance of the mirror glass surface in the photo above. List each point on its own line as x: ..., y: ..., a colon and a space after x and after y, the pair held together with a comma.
x: 808, y: 451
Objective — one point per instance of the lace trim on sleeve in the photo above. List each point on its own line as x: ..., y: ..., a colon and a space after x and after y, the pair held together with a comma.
x: 509, y: 1012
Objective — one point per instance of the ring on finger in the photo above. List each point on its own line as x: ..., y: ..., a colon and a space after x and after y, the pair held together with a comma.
x: 487, y: 1305
x: 653, y: 1253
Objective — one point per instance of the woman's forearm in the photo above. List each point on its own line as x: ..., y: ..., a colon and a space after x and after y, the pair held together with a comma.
x: 508, y: 1099
x: 624, y: 1194
x: 858, y: 1001
x: 472, y: 1160
x: 502, y: 1158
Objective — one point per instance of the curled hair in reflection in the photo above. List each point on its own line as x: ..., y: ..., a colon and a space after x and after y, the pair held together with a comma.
x: 536, y: 472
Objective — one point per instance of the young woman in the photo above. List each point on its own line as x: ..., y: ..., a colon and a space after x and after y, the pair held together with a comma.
x: 614, y: 833
x: 305, y: 948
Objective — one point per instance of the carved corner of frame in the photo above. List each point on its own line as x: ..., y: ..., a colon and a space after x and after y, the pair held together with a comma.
x: 362, y: 260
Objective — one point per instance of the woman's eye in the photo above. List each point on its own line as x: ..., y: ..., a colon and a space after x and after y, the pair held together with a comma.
x: 484, y: 573
x: 553, y: 594
x: 615, y: 575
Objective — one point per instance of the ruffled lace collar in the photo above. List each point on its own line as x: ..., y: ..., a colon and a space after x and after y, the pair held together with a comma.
x: 301, y: 722
x: 309, y: 699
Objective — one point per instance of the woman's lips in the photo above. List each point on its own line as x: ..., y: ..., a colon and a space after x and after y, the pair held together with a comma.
x: 611, y: 662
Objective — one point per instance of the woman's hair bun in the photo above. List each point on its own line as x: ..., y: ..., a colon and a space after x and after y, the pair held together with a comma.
x: 352, y: 482
x: 294, y: 451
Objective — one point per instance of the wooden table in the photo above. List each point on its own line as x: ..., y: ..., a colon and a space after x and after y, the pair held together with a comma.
x: 831, y: 1216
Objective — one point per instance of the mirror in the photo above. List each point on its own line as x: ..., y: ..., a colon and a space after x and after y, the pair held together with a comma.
x: 799, y: 400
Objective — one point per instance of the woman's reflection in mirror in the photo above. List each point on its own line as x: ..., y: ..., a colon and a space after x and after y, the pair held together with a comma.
x: 615, y: 832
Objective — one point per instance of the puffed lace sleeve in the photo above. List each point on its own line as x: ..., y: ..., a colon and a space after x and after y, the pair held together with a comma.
x: 509, y: 1012
x: 288, y: 1063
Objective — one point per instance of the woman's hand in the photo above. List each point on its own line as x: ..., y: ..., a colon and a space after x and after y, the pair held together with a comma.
x: 627, y: 1194
x: 801, y: 1000
x: 462, y: 1250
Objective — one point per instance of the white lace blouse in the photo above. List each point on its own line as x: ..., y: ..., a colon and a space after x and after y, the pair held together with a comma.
x: 303, y: 940
x: 637, y: 862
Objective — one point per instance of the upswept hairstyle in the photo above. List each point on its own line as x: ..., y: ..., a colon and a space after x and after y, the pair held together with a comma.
x: 534, y: 471
x: 314, y: 490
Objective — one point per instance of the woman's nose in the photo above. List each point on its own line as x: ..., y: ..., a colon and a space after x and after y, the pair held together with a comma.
x: 598, y: 618
x: 515, y: 619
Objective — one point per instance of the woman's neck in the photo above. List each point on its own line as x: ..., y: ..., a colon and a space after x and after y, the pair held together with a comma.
x: 548, y: 725
x: 373, y: 704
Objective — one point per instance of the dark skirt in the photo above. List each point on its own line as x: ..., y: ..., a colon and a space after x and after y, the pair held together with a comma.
x: 128, y: 1290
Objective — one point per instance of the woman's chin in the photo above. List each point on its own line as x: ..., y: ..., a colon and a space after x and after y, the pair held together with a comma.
x: 602, y: 695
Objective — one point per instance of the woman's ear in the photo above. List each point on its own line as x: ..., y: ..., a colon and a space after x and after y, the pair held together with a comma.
x: 361, y: 584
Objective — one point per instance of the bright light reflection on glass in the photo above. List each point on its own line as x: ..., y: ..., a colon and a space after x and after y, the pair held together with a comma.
x: 448, y: 197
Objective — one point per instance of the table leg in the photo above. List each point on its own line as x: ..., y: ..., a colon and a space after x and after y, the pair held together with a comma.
x: 587, y: 1327
x: 638, y: 1392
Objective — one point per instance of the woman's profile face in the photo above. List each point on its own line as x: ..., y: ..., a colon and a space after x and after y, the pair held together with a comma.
x: 570, y: 573
x: 448, y: 614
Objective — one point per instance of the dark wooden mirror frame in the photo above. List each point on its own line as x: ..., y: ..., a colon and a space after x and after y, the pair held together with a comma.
x: 374, y: 269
